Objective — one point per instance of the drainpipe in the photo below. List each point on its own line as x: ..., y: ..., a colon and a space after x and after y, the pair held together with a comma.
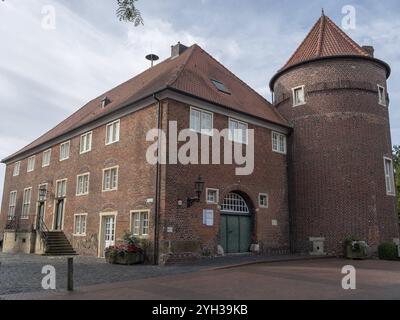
x: 158, y: 184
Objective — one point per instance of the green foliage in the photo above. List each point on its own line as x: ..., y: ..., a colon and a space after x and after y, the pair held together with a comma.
x: 129, y: 239
x: 351, y: 239
x: 128, y: 12
x: 396, y: 164
x: 388, y: 251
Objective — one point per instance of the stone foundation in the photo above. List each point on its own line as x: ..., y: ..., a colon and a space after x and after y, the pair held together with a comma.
x: 19, y: 242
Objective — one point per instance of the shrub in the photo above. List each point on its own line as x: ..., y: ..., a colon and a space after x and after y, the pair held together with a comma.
x: 388, y: 251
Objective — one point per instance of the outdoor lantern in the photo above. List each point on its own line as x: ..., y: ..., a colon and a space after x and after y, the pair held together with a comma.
x: 198, y: 188
x: 42, y: 194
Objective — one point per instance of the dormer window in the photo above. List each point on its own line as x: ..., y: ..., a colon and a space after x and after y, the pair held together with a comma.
x: 105, y: 102
x: 298, y: 96
x: 382, y: 95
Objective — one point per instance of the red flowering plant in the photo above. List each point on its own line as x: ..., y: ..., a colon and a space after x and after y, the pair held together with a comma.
x: 130, y: 244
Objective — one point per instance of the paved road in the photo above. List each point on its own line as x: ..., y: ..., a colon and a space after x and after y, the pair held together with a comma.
x: 307, y: 279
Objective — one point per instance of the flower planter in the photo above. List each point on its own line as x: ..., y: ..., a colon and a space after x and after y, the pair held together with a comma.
x: 356, y: 250
x: 125, y: 258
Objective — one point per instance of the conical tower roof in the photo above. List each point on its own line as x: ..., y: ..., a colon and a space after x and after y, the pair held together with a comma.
x: 326, y: 40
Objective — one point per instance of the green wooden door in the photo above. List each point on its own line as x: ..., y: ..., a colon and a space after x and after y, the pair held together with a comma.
x: 235, y: 233
x: 245, y: 227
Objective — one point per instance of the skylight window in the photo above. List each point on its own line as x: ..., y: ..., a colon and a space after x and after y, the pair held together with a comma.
x: 220, y: 86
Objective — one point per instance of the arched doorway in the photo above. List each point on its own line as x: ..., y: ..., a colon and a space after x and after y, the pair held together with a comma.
x: 236, y: 224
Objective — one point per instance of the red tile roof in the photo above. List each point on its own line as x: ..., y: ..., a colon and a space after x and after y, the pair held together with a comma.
x: 189, y: 73
x: 325, y: 39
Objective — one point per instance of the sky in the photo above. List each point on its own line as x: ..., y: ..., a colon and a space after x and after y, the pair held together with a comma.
x: 56, y: 55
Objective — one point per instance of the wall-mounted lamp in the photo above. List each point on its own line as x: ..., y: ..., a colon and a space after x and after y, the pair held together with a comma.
x: 42, y: 194
x: 198, y: 187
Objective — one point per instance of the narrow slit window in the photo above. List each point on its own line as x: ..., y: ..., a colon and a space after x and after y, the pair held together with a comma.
x: 389, y: 177
x: 382, y: 95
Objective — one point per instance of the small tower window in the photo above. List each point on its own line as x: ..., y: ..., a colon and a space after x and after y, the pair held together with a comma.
x: 382, y: 95
x: 298, y: 96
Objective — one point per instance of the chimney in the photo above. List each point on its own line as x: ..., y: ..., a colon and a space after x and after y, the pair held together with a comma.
x: 369, y: 49
x: 177, y: 50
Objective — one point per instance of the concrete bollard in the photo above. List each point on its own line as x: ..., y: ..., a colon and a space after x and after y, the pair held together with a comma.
x: 70, y: 272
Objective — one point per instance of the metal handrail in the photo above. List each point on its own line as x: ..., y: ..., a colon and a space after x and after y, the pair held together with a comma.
x: 11, y: 224
x: 43, y: 230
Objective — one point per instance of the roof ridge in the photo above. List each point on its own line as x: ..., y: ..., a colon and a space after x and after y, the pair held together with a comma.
x: 175, y: 77
x: 236, y: 77
x: 350, y: 41
x: 259, y: 96
x: 301, y: 44
x: 321, y: 35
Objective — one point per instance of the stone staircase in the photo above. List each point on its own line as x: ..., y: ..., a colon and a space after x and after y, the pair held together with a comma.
x: 57, y: 244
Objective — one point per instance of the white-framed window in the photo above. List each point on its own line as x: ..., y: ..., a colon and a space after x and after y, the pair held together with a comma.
x: 238, y: 131
x: 61, y: 188
x: 80, y: 224
x: 208, y: 217
x: 140, y: 223
x: 86, y: 143
x: 64, y: 150
x: 389, y: 177
x: 12, y: 204
x: 382, y: 95
x: 110, y: 179
x: 46, y: 158
x: 263, y: 200
x: 279, y: 142
x: 201, y: 121
x: 112, y: 132
x: 298, y: 96
x: 26, y: 203
x: 31, y: 164
x: 17, y: 167
x: 212, y: 196
x: 82, y: 184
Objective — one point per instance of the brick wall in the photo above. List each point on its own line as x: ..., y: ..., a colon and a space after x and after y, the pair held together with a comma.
x: 190, y: 238
x: 269, y: 176
x: 341, y: 134
x: 136, y: 181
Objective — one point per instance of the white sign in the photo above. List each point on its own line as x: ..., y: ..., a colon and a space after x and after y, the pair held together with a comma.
x: 208, y: 217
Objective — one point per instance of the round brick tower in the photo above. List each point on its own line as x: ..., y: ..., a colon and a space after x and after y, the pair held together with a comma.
x: 333, y: 92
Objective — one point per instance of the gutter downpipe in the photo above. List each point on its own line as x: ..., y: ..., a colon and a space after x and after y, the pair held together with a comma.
x: 158, y: 184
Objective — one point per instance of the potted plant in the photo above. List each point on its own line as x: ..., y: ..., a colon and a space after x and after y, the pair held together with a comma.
x: 355, y: 248
x: 127, y: 253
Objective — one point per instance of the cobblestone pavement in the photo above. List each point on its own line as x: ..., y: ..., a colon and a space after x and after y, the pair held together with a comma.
x: 304, y: 279
x: 22, y: 273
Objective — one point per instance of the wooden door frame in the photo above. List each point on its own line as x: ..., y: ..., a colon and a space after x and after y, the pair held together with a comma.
x: 100, y: 244
x: 55, y: 212
x: 37, y: 212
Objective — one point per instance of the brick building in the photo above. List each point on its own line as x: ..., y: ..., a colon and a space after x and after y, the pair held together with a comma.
x: 322, y: 168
